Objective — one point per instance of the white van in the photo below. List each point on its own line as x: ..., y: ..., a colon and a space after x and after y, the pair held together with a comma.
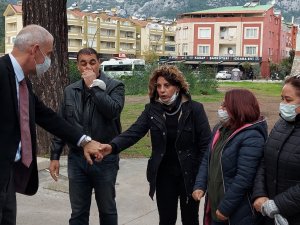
x: 122, y: 67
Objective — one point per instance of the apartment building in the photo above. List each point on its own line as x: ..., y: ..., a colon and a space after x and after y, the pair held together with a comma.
x: 288, y: 40
x: 228, y: 36
x: 110, y: 35
x: 13, y: 24
x: 156, y: 37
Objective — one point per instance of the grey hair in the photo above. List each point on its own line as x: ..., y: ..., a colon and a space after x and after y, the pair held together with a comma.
x: 30, y: 35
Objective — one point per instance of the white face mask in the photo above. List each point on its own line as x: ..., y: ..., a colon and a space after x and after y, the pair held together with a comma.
x: 223, y: 115
x: 42, y: 68
x: 288, y: 111
x: 171, y: 100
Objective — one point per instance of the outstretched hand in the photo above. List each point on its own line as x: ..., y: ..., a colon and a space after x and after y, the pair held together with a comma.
x: 198, y: 194
x: 92, y: 149
x: 105, y: 149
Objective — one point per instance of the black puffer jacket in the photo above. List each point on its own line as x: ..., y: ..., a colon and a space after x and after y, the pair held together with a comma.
x: 193, y: 135
x: 278, y: 177
x: 103, y: 121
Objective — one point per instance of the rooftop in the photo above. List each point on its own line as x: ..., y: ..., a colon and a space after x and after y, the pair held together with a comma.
x: 233, y: 10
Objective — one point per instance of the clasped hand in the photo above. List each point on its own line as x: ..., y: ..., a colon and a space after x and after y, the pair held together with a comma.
x: 96, y: 150
x: 91, y: 150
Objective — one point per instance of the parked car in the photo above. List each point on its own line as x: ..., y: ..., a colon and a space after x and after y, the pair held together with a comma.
x: 223, y: 75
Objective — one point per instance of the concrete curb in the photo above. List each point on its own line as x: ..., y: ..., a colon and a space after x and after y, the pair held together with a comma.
x: 42, y: 163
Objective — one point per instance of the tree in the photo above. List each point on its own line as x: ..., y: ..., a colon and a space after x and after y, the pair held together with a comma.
x: 3, y: 5
x: 52, y: 15
x: 150, y: 56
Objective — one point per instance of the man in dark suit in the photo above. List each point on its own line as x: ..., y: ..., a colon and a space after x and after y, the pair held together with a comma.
x: 18, y: 116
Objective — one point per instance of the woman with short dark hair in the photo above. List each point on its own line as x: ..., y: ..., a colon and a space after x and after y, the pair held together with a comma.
x: 277, y: 184
x: 229, y: 166
x: 179, y: 136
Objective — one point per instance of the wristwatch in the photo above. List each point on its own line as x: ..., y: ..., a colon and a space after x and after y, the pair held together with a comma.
x: 85, y: 141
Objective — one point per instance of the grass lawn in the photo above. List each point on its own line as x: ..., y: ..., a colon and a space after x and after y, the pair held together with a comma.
x: 268, y: 89
x: 133, y: 109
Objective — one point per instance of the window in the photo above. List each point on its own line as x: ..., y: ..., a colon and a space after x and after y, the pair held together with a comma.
x: 126, y: 46
x: 92, y: 43
x: 107, y: 45
x: 92, y: 30
x: 170, y: 48
x: 184, y: 33
x: 74, y: 42
x: 106, y: 32
x: 204, y: 33
x: 154, y: 37
x: 170, y: 38
x: 251, y: 33
x: 185, y: 49
x: 270, y: 51
x: 203, y: 50
x: 126, y: 34
x: 251, y: 50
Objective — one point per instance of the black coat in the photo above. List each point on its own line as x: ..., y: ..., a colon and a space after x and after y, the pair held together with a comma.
x: 104, y: 118
x: 278, y: 177
x: 193, y: 135
x: 26, y: 179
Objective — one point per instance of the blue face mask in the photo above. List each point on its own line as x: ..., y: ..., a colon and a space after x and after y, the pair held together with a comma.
x: 288, y: 111
x: 223, y: 115
x: 42, y: 68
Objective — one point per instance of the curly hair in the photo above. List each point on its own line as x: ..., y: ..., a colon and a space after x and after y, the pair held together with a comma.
x: 173, y: 75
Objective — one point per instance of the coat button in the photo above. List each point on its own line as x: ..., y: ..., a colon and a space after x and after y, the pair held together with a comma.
x: 151, y: 117
x: 179, y: 152
x: 162, y: 154
x: 164, y: 133
x: 185, y: 173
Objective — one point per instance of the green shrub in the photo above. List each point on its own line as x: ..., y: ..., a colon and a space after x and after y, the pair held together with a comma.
x: 138, y: 83
x: 74, y: 74
x: 201, y: 79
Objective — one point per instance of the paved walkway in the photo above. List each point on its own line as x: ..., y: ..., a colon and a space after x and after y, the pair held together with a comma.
x: 50, y: 206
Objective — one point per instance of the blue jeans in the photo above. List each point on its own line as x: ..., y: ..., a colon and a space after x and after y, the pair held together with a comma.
x: 83, y: 178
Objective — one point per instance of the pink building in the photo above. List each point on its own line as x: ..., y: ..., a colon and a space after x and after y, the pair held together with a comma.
x: 229, y: 36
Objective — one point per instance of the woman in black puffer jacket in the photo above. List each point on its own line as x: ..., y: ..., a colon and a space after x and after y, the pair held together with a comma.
x: 229, y: 166
x: 277, y: 184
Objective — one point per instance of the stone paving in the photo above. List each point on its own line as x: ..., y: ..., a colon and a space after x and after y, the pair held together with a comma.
x: 50, y: 206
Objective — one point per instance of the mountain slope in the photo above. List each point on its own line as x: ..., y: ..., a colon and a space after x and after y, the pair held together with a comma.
x: 171, y: 8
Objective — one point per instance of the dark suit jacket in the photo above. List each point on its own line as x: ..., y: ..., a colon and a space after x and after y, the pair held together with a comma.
x: 26, y: 179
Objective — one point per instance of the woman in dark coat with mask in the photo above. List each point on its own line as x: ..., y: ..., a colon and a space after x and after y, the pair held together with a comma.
x: 277, y: 185
x: 229, y: 166
x: 180, y: 134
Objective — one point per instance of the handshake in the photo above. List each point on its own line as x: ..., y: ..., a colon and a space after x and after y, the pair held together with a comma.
x: 92, y: 150
x: 96, y: 150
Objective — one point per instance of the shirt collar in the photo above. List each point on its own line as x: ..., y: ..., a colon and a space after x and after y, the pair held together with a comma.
x: 17, y: 68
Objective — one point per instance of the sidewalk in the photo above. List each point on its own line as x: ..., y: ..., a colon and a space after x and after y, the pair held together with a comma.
x: 50, y: 206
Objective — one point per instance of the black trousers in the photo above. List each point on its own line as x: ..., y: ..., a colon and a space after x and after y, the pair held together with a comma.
x: 169, y: 188
x: 8, y: 209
